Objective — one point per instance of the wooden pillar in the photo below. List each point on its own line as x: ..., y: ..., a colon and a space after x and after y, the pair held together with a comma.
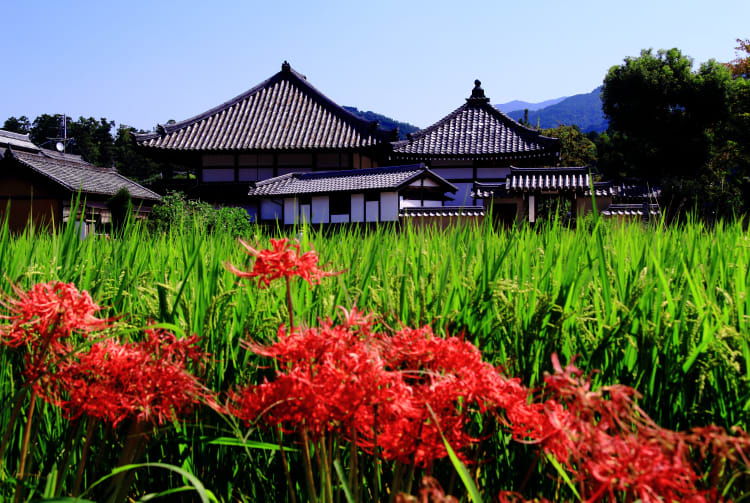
x: 532, y: 208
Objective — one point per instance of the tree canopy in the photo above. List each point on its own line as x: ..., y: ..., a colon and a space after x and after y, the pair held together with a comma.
x: 576, y: 149
x: 661, y: 110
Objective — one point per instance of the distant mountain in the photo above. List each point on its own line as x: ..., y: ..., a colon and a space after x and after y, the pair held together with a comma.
x: 515, y: 105
x: 385, y: 122
x: 582, y: 110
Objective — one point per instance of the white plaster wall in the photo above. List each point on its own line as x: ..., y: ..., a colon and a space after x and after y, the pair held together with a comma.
x: 358, y: 207
x: 416, y: 203
x: 270, y: 210
x: 371, y: 212
x: 290, y: 210
x: 389, y: 206
x: 319, y: 210
x: 339, y: 219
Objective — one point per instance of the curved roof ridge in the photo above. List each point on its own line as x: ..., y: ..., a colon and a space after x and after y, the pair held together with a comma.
x: 486, y: 106
x: 297, y: 80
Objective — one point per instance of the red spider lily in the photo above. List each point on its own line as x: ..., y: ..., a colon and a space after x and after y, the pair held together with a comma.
x: 613, y: 449
x: 147, y: 381
x: 47, y: 314
x: 339, y: 377
x: 283, y: 260
x: 328, y: 374
x: 44, y: 319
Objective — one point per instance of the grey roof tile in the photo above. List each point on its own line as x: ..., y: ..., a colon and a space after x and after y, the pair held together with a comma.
x: 477, y: 129
x: 74, y: 174
x: 354, y: 180
x: 16, y: 140
x: 283, y: 112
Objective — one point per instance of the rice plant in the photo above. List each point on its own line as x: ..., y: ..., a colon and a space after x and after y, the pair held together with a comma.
x: 662, y: 309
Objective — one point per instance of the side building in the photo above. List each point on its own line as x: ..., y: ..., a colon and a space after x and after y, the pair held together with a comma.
x: 283, y: 125
x: 39, y: 185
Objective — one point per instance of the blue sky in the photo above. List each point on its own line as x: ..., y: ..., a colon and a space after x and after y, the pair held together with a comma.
x: 142, y: 63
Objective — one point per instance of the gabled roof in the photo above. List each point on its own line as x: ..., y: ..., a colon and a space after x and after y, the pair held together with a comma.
x: 74, y: 174
x: 283, y: 112
x: 355, y: 180
x: 16, y: 140
x: 476, y: 130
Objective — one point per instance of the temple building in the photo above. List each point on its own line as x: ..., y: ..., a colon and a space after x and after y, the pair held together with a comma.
x: 282, y: 135
x: 476, y: 143
x: 283, y: 125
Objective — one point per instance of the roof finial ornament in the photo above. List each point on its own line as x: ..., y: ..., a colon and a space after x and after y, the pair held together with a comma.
x: 285, y: 67
x: 477, y: 94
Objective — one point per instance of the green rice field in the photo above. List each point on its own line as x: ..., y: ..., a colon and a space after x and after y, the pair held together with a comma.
x: 664, y: 309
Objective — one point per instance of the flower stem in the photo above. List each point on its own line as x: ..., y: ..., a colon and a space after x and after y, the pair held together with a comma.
x: 326, y: 466
x: 308, y: 467
x: 25, y: 447
x: 13, y: 417
x: 353, y: 479
x: 289, y: 304
x: 90, y: 425
x: 292, y: 496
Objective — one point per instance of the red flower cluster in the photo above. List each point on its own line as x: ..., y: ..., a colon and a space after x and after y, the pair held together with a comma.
x: 611, y: 446
x: 44, y: 319
x: 148, y: 381
x: 284, y: 260
x: 384, y: 388
x: 111, y: 381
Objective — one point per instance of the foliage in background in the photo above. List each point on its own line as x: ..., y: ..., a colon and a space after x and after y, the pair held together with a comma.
x: 682, y: 127
x: 176, y: 211
x: 576, y: 149
x: 120, y: 207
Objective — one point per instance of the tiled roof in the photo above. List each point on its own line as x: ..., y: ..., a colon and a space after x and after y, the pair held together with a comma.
x: 283, y: 112
x: 354, y: 180
x: 637, y: 210
x: 477, y: 130
x: 442, y: 211
x: 16, y: 140
x: 635, y: 191
x: 544, y: 179
x: 74, y: 174
x: 482, y: 190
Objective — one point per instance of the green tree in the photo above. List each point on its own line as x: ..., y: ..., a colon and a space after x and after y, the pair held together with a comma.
x: 120, y: 206
x: 46, y: 127
x: 576, y: 149
x: 93, y: 140
x: 740, y: 66
x: 662, y: 110
x: 131, y: 163
x: 17, y: 125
